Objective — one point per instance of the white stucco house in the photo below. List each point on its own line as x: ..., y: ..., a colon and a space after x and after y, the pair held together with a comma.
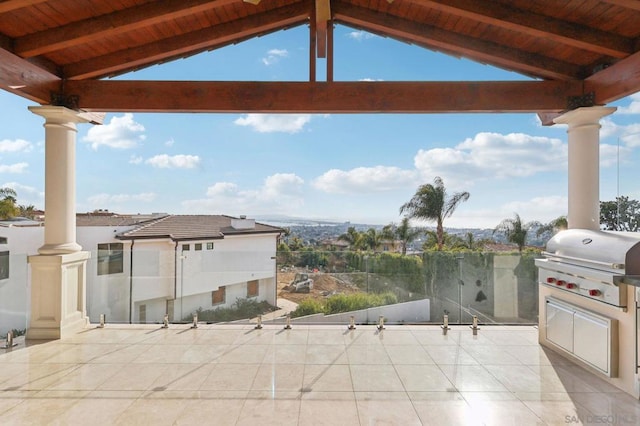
x: 145, y: 266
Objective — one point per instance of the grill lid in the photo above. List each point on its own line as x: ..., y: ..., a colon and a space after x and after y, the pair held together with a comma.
x: 612, y: 251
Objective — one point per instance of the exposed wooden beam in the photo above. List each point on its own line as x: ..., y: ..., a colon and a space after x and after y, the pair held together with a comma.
x: 323, y: 15
x: 472, y: 48
x: 9, y: 5
x: 629, y: 4
x: 188, y: 44
x: 532, y: 24
x: 322, y: 97
x: 26, y: 79
x: 135, y: 18
x: 615, y: 82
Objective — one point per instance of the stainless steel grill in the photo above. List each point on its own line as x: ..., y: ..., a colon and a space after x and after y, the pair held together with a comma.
x: 594, y: 264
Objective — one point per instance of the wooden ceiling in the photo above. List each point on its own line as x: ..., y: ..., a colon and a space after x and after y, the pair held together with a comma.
x: 571, y: 53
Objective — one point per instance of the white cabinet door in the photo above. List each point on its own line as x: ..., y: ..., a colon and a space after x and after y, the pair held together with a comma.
x: 591, y: 340
x: 560, y: 325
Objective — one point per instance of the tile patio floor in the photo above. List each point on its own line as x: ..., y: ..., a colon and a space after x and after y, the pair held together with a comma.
x: 309, y: 375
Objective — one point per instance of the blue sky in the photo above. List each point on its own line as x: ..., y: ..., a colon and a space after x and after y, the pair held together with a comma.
x: 343, y: 167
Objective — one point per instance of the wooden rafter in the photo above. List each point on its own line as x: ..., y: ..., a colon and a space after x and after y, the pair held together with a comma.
x: 323, y: 97
x: 435, y: 38
x: 532, y: 24
x: 108, y: 25
x: 617, y: 81
x: 9, y: 5
x: 26, y: 79
x: 187, y: 44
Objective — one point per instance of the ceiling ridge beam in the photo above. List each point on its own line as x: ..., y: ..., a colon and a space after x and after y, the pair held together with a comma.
x: 119, y: 22
x: 436, y: 38
x: 187, y: 44
x: 322, y: 97
x: 518, y: 20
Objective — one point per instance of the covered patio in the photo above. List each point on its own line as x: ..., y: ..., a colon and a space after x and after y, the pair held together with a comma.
x: 575, y: 58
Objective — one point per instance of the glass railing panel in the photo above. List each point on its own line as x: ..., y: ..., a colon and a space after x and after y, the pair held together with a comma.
x: 14, y: 294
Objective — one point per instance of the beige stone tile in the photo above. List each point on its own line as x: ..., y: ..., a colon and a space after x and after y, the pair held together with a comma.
x: 327, y: 337
x: 437, y: 338
x: 421, y: 378
x: 398, y: 337
x: 448, y: 354
x: 328, y: 395
x: 39, y: 410
x: 183, y: 377
x: 408, y: 354
x: 134, y: 377
x: 472, y: 378
x: 266, y: 412
x: 120, y: 354
x: 491, y: 355
x: 447, y: 412
x: 327, y: 378
x: 496, y: 412
x: 155, y: 412
x: 326, y: 354
x: 559, y: 412
x: 279, y: 377
x: 96, y: 409
x: 328, y: 412
x: 38, y: 376
x: 361, y: 354
x: 212, y: 411
x: 85, y: 377
x: 237, y: 377
x: 375, y: 378
x: 380, y: 412
x: 285, y: 354
x: 244, y: 354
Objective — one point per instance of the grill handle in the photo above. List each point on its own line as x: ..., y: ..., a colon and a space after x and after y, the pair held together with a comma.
x: 595, y: 262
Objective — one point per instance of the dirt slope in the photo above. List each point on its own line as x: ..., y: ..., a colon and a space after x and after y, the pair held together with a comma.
x: 323, y: 285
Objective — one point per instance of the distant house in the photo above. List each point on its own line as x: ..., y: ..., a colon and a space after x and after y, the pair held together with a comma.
x: 145, y: 266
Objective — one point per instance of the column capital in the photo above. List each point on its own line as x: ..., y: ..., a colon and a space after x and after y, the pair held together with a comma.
x: 584, y: 115
x: 59, y: 114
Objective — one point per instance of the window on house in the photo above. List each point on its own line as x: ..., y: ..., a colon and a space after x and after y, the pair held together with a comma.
x: 186, y: 247
x: 209, y: 246
x: 4, y: 240
x: 110, y: 258
x: 4, y: 265
x: 253, y: 288
x: 198, y: 246
x: 218, y: 296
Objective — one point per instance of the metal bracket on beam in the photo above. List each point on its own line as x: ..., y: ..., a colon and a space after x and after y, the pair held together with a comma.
x: 584, y: 100
x: 67, y: 101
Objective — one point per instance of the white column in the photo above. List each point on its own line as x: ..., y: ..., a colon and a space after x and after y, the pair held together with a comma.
x: 60, y: 179
x: 584, y: 165
x: 58, y: 273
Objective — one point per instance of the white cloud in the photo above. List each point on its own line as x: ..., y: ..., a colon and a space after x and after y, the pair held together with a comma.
x: 634, y: 105
x: 280, y: 193
x: 135, y: 159
x: 360, y: 35
x: 16, y: 145
x: 121, y: 133
x: 13, y: 168
x: 370, y: 79
x: 180, y: 161
x: 109, y: 199
x: 492, y: 155
x: 274, y: 55
x: 170, y: 142
x: 269, y: 123
x: 365, y: 179
x: 630, y: 135
x: 26, y: 194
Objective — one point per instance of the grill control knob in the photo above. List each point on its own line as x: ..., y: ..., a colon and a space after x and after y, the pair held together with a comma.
x: 551, y: 280
x: 561, y: 282
x: 594, y: 292
x: 571, y: 285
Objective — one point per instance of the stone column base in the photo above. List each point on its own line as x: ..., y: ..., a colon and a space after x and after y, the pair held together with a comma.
x: 58, y: 295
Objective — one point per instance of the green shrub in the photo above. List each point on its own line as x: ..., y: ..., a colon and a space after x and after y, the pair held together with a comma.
x: 343, y: 303
x: 241, y: 309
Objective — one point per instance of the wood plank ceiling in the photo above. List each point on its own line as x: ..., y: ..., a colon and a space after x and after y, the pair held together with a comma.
x: 570, y: 53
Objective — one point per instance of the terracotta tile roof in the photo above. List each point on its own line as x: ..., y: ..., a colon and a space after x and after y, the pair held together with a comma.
x: 193, y: 227
x: 90, y: 219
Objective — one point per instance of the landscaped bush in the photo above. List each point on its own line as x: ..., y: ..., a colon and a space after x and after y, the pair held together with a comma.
x: 343, y: 303
x: 241, y: 309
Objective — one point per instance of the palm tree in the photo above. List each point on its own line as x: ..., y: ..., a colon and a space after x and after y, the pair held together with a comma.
x: 431, y: 203
x: 557, y: 224
x: 403, y: 232
x: 8, y: 208
x: 352, y: 237
x: 514, y: 230
x: 372, y: 239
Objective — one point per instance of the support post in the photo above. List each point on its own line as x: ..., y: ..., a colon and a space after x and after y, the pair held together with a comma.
x: 58, y: 272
